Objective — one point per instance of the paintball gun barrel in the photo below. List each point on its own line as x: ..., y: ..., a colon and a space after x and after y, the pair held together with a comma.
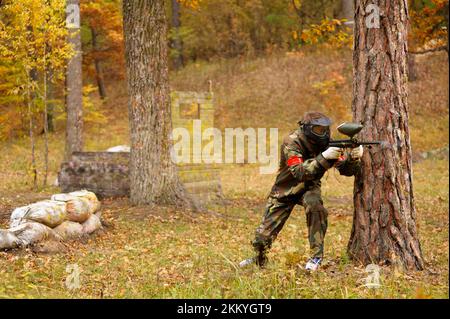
x: 350, y: 130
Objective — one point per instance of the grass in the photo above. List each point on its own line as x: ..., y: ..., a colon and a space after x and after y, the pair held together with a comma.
x: 151, y: 252
x: 156, y: 252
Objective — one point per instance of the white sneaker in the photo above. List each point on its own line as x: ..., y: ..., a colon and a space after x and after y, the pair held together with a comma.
x: 247, y: 262
x: 313, y: 264
x: 259, y: 260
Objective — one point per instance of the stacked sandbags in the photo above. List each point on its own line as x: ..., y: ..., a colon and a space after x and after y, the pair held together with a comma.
x: 29, y: 233
x: 50, y: 213
x: 64, y: 217
x: 8, y: 240
x: 77, y: 209
x: 92, y: 224
x: 69, y: 230
x: 17, y: 216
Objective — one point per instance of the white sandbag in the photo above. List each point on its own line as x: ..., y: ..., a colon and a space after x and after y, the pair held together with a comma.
x: 78, y: 209
x: 94, y: 203
x: 119, y: 148
x: 8, y: 240
x: 17, y: 216
x: 50, y: 213
x: 32, y: 232
x: 89, y: 197
x: 69, y: 230
x: 92, y: 224
x: 62, y: 197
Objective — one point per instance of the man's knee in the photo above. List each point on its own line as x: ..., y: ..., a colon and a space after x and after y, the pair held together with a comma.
x: 312, y: 201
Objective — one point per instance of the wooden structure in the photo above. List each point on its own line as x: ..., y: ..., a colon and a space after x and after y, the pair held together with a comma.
x: 107, y: 173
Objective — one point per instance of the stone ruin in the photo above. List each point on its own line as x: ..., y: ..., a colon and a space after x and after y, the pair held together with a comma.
x: 107, y: 173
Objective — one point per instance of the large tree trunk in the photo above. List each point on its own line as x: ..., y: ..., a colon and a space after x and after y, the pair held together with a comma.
x: 153, y: 176
x: 177, y: 44
x: 347, y: 10
x: 384, y: 223
x: 74, y: 86
x: 98, y: 67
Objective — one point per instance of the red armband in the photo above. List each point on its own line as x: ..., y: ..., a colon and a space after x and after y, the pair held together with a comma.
x: 294, y: 160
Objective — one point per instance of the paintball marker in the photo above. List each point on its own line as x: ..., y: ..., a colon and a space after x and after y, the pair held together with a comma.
x: 350, y: 130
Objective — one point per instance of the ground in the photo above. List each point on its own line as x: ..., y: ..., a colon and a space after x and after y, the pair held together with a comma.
x: 157, y: 252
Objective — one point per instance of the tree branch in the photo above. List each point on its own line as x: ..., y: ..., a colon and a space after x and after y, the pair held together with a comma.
x: 442, y: 48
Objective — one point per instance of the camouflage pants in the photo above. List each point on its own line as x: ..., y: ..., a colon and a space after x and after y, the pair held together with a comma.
x: 276, y: 213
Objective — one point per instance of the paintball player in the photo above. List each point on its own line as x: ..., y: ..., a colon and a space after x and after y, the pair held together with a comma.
x: 304, y: 159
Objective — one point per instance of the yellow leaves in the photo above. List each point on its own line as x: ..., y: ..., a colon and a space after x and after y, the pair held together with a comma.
x: 32, y: 27
x: 304, y: 36
x: 91, y: 112
x: 297, y: 4
x: 331, y: 98
x: 421, y: 294
x: 428, y: 28
x: 329, y: 31
x: 192, y: 4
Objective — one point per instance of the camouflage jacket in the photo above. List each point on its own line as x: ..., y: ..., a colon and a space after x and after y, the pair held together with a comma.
x: 301, y: 168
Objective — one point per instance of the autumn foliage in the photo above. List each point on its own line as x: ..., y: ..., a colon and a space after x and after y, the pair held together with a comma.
x: 429, y: 25
x: 242, y: 29
x: 104, y: 19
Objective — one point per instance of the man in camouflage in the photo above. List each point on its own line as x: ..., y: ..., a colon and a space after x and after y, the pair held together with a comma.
x: 304, y: 159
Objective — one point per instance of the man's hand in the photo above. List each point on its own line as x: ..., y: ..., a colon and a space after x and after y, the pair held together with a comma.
x: 357, y: 153
x: 332, y: 153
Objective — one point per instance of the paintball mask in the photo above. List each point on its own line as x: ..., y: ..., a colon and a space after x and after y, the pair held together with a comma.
x: 316, y: 128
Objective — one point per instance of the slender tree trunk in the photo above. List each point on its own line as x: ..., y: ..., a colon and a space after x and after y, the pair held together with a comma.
x: 50, y: 101
x: 50, y: 92
x: 31, y: 96
x: 74, y: 86
x: 177, y: 43
x: 98, y: 68
x: 446, y: 13
x: 153, y: 176
x: 384, y: 223
x: 45, y: 122
x: 30, y: 103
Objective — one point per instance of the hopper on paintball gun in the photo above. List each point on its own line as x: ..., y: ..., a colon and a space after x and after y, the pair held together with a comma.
x: 351, y: 129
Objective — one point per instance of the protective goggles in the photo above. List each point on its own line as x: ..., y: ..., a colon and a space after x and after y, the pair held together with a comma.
x: 320, y: 130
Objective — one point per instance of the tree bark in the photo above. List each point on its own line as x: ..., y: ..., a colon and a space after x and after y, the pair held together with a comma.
x: 45, y: 118
x: 50, y: 102
x: 384, y: 222
x: 153, y: 176
x: 31, y: 86
x: 74, y: 94
x: 98, y: 68
x: 177, y: 44
x: 347, y: 10
x: 31, y: 99
x: 446, y: 12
